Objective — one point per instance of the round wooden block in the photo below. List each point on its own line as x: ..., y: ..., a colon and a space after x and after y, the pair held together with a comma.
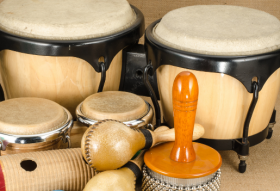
x: 207, y: 161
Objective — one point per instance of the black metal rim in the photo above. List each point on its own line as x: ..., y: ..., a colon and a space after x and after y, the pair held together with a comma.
x: 231, y: 144
x: 243, y: 68
x: 89, y: 50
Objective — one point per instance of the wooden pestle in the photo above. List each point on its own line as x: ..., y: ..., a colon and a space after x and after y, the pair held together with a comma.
x: 182, y: 159
x: 184, y: 109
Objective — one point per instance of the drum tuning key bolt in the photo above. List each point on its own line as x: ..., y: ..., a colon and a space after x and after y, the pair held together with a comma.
x: 2, y: 98
x: 103, y: 76
x: 242, y: 148
x: 148, y: 71
x: 271, y: 124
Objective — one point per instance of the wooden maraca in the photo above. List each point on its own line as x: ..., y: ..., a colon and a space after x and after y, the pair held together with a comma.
x: 183, y: 164
x: 110, y: 144
x: 122, y: 179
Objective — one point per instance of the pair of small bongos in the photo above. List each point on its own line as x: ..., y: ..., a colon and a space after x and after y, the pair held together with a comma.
x: 33, y: 124
x: 126, y: 107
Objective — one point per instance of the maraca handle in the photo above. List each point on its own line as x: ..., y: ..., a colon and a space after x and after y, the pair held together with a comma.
x: 164, y: 134
x: 185, y: 96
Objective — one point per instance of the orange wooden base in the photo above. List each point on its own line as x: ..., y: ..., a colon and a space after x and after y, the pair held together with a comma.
x: 207, y: 161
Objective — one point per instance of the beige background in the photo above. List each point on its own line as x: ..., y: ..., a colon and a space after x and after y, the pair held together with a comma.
x: 263, y: 169
x: 156, y: 9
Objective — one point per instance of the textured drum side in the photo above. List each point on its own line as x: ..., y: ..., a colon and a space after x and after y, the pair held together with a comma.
x: 61, y: 169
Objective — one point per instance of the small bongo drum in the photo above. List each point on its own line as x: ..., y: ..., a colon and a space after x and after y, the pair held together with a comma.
x: 63, y: 51
x: 126, y: 107
x: 235, y: 54
x: 33, y: 124
x: 182, y: 165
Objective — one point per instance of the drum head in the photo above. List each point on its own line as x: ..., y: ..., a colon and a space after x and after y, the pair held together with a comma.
x: 122, y: 106
x: 219, y: 30
x: 65, y: 20
x: 29, y: 116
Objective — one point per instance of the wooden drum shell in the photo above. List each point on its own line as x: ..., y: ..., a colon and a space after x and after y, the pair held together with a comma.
x: 65, y: 80
x: 223, y: 102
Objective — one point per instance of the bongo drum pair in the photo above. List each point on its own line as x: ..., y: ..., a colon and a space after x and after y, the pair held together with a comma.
x: 68, y: 53
x: 33, y: 124
x: 236, y: 62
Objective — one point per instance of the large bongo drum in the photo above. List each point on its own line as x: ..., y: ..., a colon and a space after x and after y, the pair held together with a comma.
x: 63, y: 51
x: 33, y: 124
x: 126, y: 107
x: 234, y: 53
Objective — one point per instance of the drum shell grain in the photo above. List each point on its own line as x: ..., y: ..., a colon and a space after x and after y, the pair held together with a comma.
x: 223, y: 102
x: 65, y: 80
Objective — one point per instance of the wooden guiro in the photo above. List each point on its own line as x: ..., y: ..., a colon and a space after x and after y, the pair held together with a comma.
x: 62, y: 169
x: 109, y: 144
x: 182, y: 164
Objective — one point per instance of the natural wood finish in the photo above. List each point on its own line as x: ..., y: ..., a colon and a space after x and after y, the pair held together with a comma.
x: 161, y: 128
x: 156, y: 9
x: 184, y: 159
x: 196, y: 159
x: 139, y: 160
x: 223, y: 102
x: 119, y: 180
x: 161, y: 135
x: 207, y: 162
x: 112, y: 139
x: 122, y: 179
x: 184, y: 95
x: 109, y: 140
x: 56, y: 170
x: 14, y: 148
x: 65, y: 80
x: 77, y: 133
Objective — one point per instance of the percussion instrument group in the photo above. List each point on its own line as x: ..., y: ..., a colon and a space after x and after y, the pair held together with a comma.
x: 65, y: 124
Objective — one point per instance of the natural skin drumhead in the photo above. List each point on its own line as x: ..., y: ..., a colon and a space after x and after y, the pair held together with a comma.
x: 219, y: 30
x: 29, y: 116
x: 121, y: 106
x: 65, y: 19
